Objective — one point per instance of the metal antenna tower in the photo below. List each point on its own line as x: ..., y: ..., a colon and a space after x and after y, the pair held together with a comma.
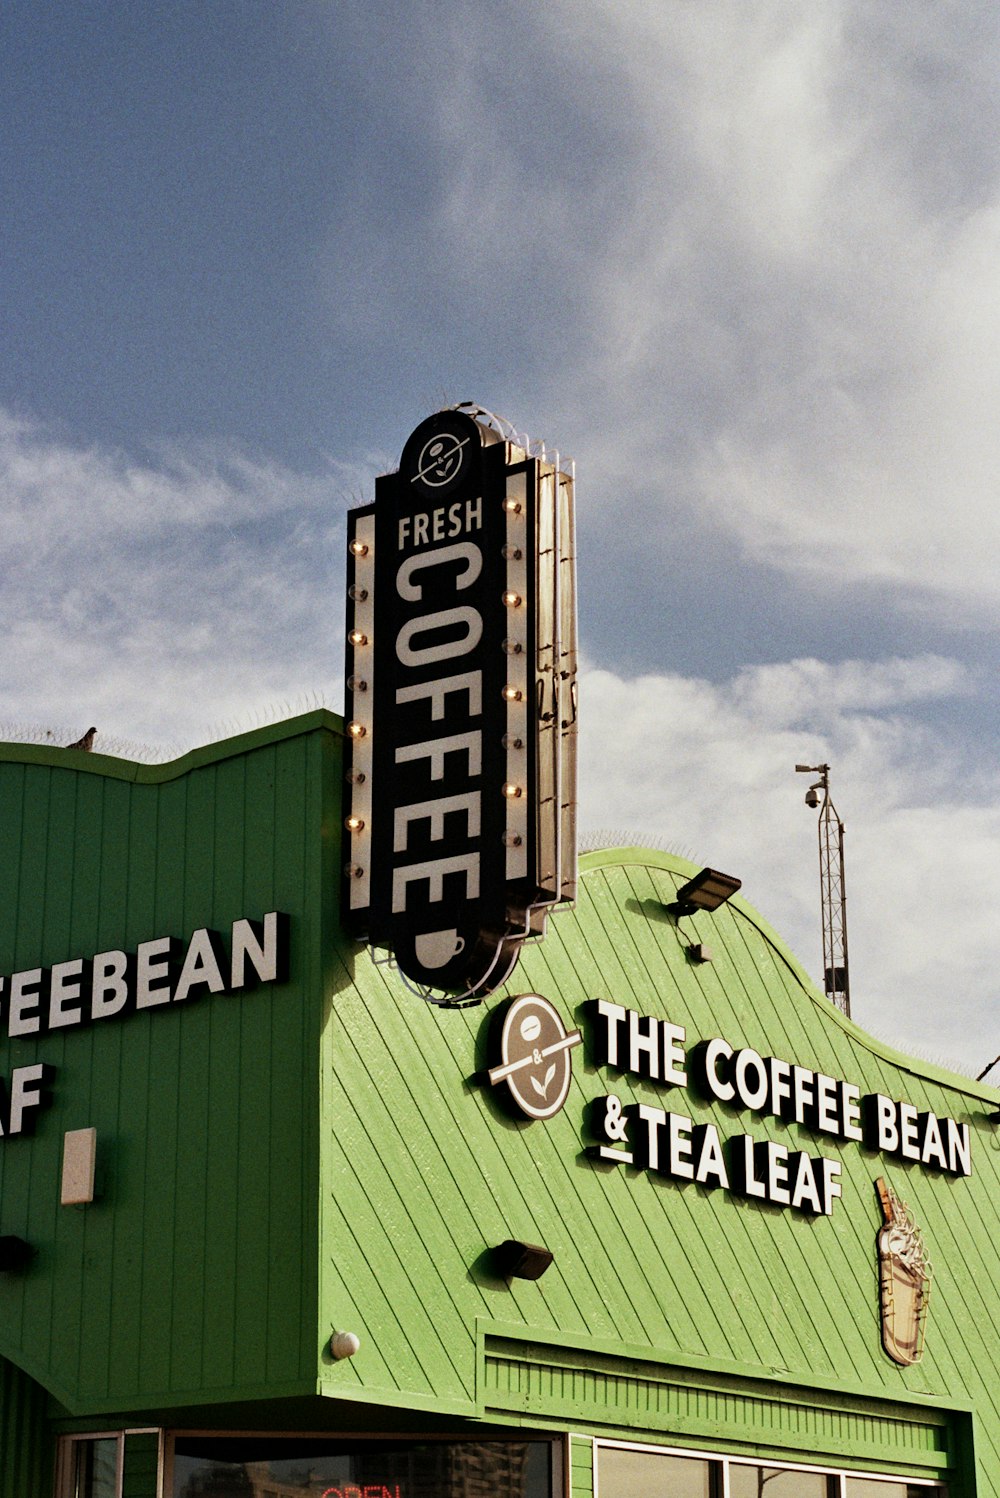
x: 832, y: 888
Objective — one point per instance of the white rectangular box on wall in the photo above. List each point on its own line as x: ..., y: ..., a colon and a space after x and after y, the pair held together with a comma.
x: 79, y: 1158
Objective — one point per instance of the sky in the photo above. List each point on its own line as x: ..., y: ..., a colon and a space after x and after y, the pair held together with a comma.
x: 738, y: 260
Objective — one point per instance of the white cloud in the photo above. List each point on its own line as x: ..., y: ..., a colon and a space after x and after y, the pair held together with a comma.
x: 157, y: 598
x: 787, y: 319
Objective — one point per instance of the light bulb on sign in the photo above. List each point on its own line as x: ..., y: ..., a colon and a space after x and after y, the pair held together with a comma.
x: 356, y: 637
x: 511, y: 553
x: 512, y: 506
x: 356, y: 730
x: 511, y: 694
x: 512, y: 647
x: 354, y: 824
x: 510, y: 790
x: 358, y: 594
x: 353, y: 870
x: 358, y: 549
x: 512, y: 600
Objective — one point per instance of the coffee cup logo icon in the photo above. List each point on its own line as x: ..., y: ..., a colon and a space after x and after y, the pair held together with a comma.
x: 535, y: 1059
x: 439, y: 459
x: 904, y: 1278
x: 435, y: 949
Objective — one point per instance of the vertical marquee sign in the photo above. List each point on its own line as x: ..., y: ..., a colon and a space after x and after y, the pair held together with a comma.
x: 461, y: 702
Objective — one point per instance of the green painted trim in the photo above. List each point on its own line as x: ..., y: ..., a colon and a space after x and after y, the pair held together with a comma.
x: 763, y: 1378
x: 164, y: 1401
x: 157, y: 774
x: 621, y: 1397
x: 773, y: 1453
x: 87, y: 1409
x: 393, y: 1399
x: 653, y: 858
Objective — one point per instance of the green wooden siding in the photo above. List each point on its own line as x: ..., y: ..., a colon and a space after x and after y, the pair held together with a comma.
x: 140, y: 1467
x: 423, y: 1172
x: 710, y: 1411
x: 26, y: 1450
x: 193, y: 1275
x: 581, y: 1466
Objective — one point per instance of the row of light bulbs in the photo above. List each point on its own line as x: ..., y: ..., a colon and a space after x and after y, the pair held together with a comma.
x: 358, y: 638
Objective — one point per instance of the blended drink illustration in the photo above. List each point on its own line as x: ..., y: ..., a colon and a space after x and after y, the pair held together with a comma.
x: 904, y: 1277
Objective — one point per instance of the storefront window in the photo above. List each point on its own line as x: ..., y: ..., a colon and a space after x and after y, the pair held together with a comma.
x: 274, y: 1467
x: 95, y: 1469
x: 625, y: 1471
x: 777, y: 1482
x: 644, y: 1474
x: 869, y: 1487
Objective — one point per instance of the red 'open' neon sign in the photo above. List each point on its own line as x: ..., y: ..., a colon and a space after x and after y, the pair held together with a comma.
x: 370, y: 1490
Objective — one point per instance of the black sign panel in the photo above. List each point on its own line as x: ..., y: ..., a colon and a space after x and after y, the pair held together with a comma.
x: 443, y: 723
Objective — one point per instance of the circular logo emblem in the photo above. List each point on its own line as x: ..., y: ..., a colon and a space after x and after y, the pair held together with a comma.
x: 439, y: 459
x: 535, y: 1059
x: 440, y: 455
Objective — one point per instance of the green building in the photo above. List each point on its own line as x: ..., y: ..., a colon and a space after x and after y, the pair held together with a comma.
x: 709, y: 1241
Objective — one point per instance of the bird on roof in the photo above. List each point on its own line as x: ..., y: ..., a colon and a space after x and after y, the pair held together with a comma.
x: 87, y: 742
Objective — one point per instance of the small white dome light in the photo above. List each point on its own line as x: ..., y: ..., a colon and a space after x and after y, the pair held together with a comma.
x: 344, y: 1344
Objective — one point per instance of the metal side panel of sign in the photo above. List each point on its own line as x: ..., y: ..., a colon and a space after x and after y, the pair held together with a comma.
x: 556, y: 692
x: 569, y: 686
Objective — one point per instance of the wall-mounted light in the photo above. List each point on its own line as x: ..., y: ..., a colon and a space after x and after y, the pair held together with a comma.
x: 706, y: 891
x: 344, y: 1345
x: 78, y: 1167
x: 15, y: 1253
x: 516, y: 1260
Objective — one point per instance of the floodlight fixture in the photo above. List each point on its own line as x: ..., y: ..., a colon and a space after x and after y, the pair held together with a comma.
x: 15, y: 1253
x: 513, y: 1259
x: 706, y: 891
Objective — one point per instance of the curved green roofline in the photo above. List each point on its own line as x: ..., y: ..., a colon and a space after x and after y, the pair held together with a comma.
x: 154, y: 774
